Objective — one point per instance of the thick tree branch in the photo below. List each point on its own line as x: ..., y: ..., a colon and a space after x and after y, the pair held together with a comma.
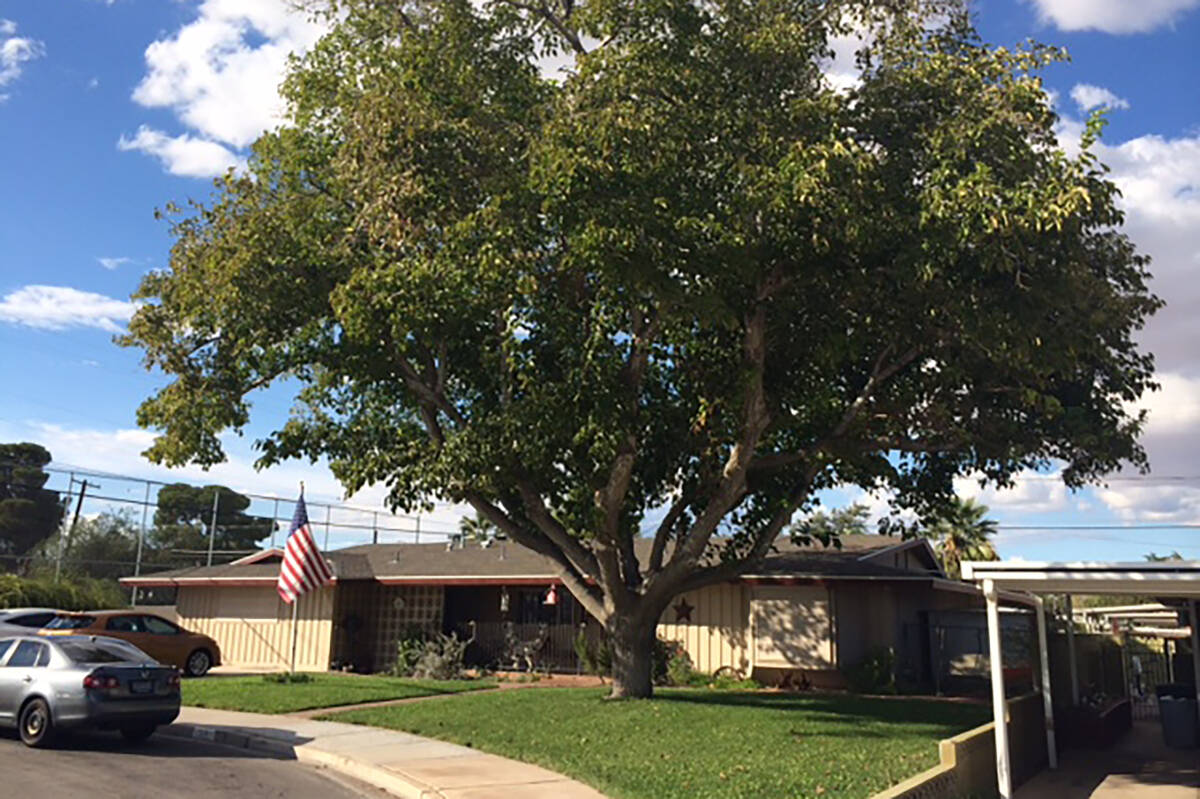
x: 666, y: 527
x: 560, y: 24
x: 575, y: 580
x: 731, y: 488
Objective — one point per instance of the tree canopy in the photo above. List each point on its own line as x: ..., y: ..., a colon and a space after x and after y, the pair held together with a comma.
x: 184, y: 513
x: 676, y: 290
x: 29, y: 513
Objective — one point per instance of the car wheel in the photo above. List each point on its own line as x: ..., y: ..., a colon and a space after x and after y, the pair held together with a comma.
x: 137, y: 734
x: 35, y: 723
x: 198, y: 663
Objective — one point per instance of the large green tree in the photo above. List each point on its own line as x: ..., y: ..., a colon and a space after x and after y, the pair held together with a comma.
x: 184, y: 513
x: 29, y: 512
x: 687, y: 280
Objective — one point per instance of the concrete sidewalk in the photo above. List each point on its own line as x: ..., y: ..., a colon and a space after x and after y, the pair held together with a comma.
x: 402, y: 764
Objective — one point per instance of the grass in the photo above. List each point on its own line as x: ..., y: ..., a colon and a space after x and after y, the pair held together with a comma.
x: 264, y: 694
x: 689, y: 744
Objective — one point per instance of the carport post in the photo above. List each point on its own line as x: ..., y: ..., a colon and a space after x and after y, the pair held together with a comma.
x: 1047, y: 699
x: 999, y: 707
x: 1195, y: 648
x: 1071, y: 661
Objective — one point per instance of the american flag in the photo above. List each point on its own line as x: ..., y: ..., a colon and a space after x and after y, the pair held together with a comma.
x: 303, y: 569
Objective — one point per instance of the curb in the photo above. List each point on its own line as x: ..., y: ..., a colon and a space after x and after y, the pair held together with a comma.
x: 384, y: 780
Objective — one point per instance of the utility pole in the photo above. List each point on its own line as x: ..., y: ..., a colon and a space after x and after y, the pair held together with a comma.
x: 64, y: 550
x: 62, y: 536
x: 137, y: 563
x: 328, y: 510
x: 212, y: 526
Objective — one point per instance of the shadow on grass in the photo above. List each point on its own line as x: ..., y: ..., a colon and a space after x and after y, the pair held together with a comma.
x: 843, y: 708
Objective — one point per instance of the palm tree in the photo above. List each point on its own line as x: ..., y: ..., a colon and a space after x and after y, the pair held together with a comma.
x: 476, y: 529
x: 962, y: 533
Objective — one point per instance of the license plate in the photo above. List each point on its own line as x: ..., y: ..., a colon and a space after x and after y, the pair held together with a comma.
x: 141, y: 686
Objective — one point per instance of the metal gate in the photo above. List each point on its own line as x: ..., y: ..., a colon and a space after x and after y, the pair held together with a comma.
x: 1147, y: 665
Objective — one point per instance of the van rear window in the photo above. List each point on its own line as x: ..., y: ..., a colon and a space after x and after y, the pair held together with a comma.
x: 70, y: 622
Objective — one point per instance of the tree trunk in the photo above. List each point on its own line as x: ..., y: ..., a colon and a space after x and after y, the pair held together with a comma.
x: 632, y: 642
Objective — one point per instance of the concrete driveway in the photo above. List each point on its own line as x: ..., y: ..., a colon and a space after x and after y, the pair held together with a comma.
x: 96, y: 765
x: 1139, y: 766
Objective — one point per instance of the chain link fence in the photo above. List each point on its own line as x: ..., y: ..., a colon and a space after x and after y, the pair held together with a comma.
x: 112, y: 527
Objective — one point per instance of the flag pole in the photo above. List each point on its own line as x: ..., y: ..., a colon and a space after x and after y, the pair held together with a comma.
x: 296, y: 606
x: 295, y: 624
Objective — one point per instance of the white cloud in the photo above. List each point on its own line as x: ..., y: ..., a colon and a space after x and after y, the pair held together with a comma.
x: 220, y: 73
x: 62, y: 307
x: 1112, y: 16
x: 15, y: 52
x: 1033, y: 493
x: 183, y: 155
x: 113, y: 263
x: 1087, y: 97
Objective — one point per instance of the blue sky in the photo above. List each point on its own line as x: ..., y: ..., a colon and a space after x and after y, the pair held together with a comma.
x: 111, y: 108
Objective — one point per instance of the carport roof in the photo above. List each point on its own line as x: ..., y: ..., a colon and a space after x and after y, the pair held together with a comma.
x: 1159, y: 579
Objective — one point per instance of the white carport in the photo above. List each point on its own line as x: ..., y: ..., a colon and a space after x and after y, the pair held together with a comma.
x: 1158, y: 579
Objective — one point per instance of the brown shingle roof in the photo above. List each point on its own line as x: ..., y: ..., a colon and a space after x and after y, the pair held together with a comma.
x: 505, y: 559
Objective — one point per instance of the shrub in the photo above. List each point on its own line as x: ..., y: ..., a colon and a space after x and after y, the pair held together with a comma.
x: 680, y: 671
x: 287, y: 677
x: 594, y: 655
x: 438, y: 657
x: 408, y: 652
x: 874, y: 674
x: 75, y: 593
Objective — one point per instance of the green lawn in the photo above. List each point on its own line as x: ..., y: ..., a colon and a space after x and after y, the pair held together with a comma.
x: 257, y: 695
x: 688, y: 744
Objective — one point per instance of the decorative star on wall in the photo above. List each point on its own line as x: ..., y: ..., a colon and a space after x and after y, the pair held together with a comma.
x: 683, y: 611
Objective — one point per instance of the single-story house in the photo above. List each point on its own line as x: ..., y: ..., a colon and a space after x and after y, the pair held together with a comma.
x: 807, y: 613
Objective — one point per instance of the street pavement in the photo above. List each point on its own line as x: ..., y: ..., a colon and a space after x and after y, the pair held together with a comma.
x: 103, y: 765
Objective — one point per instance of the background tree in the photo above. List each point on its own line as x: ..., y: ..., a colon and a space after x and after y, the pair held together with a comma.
x: 691, y: 278
x: 184, y: 513
x: 962, y: 531
x: 29, y: 513
x: 102, y: 546
x: 476, y: 528
x: 828, y: 528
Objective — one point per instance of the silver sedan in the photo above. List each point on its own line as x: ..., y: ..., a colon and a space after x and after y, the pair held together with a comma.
x: 50, y: 684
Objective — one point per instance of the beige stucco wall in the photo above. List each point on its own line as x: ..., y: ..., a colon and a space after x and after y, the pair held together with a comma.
x: 253, y: 626
x: 718, y: 633
x: 746, y: 627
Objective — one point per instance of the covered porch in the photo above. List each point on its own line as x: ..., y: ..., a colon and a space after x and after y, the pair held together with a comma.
x: 1137, y: 765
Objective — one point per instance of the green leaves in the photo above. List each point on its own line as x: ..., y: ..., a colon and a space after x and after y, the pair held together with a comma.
x: 576, y: 298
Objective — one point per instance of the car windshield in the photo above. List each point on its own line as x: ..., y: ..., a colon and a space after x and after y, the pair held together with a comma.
x: 70, y: 622
x: 103, y: 652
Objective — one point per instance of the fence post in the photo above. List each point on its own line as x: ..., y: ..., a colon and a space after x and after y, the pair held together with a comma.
x: 328, y: 510
x: 417, y: 539
x: 137, y: 563
x: 212, y: 526
x: 274, y: 522
x: 375, y: 528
